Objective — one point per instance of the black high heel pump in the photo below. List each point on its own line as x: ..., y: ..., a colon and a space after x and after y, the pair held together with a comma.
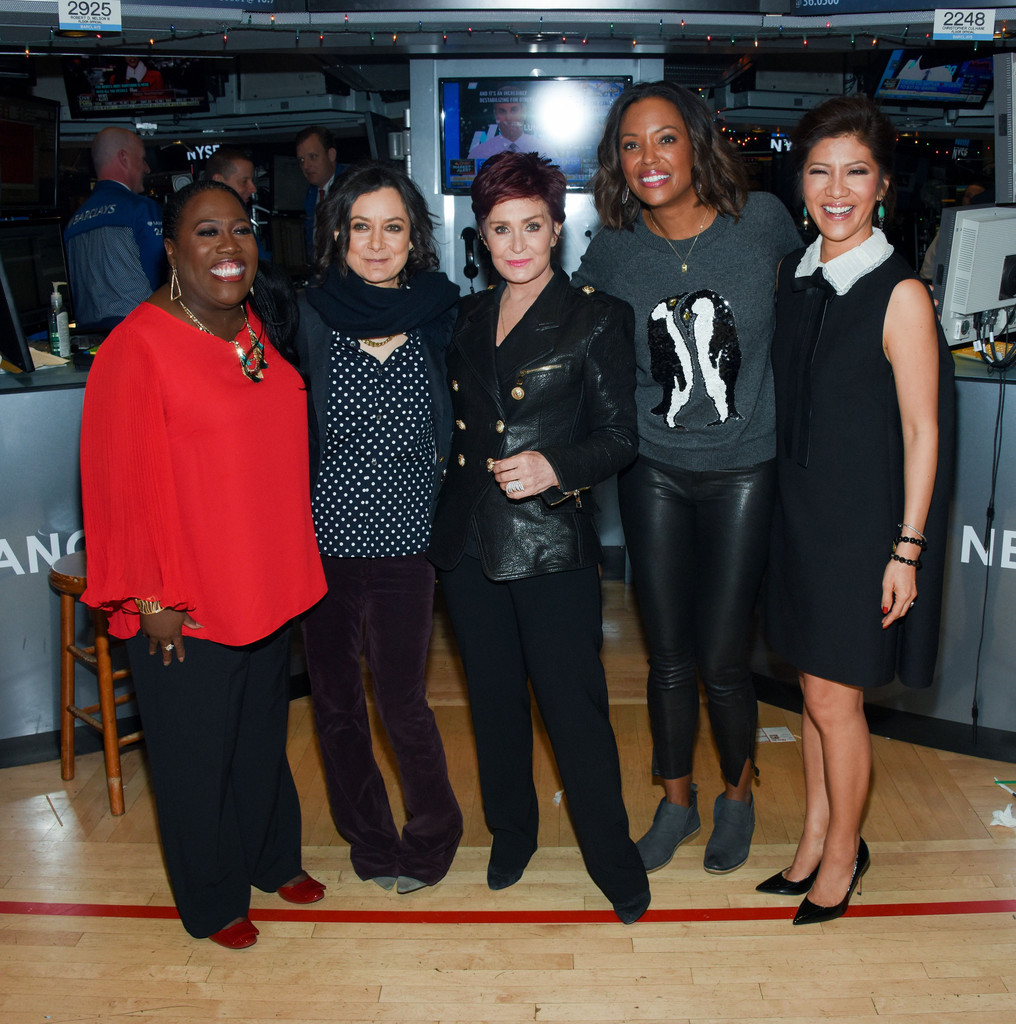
x: 780, y: 885
x: 812, y: 913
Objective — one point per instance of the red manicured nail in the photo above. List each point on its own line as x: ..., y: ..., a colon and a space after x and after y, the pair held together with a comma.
x: 885, y: 611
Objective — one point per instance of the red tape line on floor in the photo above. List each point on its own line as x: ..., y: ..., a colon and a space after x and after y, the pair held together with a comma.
x: 322, y: 916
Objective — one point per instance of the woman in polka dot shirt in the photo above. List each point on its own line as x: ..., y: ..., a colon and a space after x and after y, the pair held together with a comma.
x: 372, y: 340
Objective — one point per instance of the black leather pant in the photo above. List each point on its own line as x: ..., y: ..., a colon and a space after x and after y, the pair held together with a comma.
x: 698, y: 543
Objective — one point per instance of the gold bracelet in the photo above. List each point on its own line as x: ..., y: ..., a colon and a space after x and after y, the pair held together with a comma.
x: 148, y: 607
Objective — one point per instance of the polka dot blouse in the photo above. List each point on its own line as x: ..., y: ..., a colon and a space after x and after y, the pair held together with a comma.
x: 373, y: 492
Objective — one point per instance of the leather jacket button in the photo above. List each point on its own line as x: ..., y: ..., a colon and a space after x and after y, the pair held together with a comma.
x: 460, y: 424
x: 462, y: 460
x: 499, y: 426
x: 490, y: 465
x: 518, y: 393
x: 455, y: 385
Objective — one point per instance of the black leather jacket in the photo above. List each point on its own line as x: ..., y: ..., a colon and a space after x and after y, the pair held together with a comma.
x: 569, y: 394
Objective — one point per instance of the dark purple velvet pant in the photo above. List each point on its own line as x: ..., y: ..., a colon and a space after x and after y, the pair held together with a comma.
x: 382, y: 607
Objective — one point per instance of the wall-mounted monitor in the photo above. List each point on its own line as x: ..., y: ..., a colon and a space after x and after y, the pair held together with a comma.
x: 116, y: 86
x: 30, y: 130
x: 975, y: 272
x: 944, y: 78
x: 560, y: 118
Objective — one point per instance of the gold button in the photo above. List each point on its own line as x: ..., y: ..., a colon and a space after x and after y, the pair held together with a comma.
x: 460, y: 424
x: 517, y: 393
x: 490, y: 465
x: 499, y: 426
x: 455, y: 385
x: 462, y: 460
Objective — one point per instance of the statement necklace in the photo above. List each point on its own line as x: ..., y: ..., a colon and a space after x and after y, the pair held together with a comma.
x: 660, y: 232
x: 253, y: 362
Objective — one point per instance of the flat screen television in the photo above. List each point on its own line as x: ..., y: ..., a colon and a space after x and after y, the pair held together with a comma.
x: 944, y: 78
x: 560, y: 118
x: 33, y: 257
x: 30, y: 133
x: 111, y: 86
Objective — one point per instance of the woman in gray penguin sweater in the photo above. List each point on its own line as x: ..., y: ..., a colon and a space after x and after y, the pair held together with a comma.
x: 696, y: 257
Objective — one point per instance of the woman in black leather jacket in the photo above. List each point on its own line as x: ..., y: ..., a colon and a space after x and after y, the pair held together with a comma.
x: 542, y: 380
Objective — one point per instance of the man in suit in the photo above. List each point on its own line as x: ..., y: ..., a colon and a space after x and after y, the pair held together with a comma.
x: 316, y: 154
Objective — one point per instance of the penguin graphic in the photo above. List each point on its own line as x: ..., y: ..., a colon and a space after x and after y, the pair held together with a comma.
x: 699, y: 322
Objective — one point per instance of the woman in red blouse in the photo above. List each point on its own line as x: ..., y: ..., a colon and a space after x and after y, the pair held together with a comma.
x: 191, y: 420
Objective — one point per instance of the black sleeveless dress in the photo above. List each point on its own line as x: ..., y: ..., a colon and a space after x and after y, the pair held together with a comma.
x: 840, y: 499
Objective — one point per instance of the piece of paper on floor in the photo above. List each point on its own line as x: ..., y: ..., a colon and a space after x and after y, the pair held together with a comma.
x: 775, y: 734
x: 1005, y: 817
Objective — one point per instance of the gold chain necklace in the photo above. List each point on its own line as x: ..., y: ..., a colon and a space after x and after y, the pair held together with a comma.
x: 252, y: 362
x: 377, y: 342
x: 684, y: 262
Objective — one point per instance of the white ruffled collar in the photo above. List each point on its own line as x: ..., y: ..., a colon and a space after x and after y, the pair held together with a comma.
x: 845, y: 270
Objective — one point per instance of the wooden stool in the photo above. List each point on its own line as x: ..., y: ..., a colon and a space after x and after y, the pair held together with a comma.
x: 68, y: 579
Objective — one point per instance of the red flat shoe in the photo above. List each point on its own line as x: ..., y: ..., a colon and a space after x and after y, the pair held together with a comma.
x: 238, y: 935
x: 307, y: 890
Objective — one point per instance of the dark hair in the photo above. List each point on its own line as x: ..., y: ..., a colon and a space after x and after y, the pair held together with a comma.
x: 518, y: 176
x: 717, y: 173
x: 856, y: 116
x: 271, y: 296
x: 333, y: 216
x: 325, y: 137
x: 223, y: 161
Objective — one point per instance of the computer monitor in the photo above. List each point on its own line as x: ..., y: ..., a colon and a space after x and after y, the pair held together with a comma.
x: 33, y: 257
x: 13, y: 346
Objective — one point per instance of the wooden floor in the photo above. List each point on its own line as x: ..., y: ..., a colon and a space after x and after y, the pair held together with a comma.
x: 85, y: 934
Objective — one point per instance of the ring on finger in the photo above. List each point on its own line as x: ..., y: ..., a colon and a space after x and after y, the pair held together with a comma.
x: 167, y: 647
x: 514, y: 487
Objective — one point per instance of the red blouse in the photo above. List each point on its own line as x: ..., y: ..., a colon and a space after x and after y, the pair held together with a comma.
x: 194, y: 482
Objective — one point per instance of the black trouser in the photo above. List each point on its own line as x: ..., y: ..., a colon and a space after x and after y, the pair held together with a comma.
x: 547, y: 628
x: 698, y: 543
x: 215, y: 732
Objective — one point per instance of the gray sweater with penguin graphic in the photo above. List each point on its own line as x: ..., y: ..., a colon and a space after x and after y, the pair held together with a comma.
x: 703, y: 381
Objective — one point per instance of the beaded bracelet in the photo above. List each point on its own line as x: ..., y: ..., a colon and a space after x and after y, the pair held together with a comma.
x: 915, y: 562
x: 919, y: 541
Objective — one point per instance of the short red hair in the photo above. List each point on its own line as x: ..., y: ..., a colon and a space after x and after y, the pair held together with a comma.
x: 518, y: 176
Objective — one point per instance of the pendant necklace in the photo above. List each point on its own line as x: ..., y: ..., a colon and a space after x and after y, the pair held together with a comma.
x: 252, y: 362
x: 684, y: 262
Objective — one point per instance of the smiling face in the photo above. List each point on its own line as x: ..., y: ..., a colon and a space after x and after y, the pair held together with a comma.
x: 842, y: 185
x: 520, y: 234
x: 214, y: 253
x: 379, y: 237
x: 656, y: 155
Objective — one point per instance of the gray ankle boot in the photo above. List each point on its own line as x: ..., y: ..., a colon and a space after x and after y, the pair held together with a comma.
x: 672, y: 825
x: 733, y: 827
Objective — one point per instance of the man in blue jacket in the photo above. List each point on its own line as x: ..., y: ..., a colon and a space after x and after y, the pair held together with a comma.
x: 316, y: 154
x: 115, y: 255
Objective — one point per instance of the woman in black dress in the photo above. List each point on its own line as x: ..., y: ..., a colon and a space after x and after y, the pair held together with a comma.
x: 864, y: 413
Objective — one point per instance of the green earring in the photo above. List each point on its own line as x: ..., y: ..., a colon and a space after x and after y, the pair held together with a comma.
x: 881, y: 214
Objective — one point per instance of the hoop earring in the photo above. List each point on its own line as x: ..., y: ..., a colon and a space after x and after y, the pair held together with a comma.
x: 625, y: 195
x: 174, y: 286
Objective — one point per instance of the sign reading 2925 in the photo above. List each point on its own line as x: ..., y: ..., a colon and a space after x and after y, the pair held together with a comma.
x: 90, y: 15
x: 971, y: 23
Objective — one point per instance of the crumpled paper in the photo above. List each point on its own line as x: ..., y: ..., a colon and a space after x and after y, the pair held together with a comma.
x: 1006, y: 817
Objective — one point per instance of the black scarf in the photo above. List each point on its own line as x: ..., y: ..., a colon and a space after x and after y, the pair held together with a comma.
x: 361, y: 310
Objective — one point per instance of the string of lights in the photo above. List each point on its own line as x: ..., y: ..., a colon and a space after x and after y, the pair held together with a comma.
x: 602, y: 37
